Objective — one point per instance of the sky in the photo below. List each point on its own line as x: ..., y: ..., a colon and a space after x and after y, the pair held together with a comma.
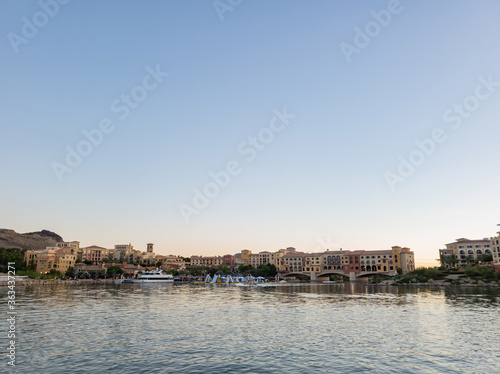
x: 207, y: 127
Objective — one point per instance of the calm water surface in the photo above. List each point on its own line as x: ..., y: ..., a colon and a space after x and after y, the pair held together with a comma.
x: 308, y: 328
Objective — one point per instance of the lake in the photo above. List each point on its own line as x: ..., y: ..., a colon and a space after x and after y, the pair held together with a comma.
x: 308, y: 328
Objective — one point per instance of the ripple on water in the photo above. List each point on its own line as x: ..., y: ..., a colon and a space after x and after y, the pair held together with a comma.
x: 294, y: 329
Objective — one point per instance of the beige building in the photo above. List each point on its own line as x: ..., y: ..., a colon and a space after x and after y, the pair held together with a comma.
x: 349, y: 263
x: 96, y: 254
x: 466, y: 250
x: 57, y: 258
x: 292, y: 262
x: 212, y: 261
x: 125, y: 252
x: 71, y: 247
x: 253, y: 259
x: 172, y: 261
x: 245, y: 256
x: 495, y: 250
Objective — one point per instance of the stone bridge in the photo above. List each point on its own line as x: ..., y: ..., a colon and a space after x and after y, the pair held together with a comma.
x: 352, y: 275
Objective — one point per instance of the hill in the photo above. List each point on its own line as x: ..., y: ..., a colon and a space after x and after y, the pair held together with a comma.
x: 30, y: 240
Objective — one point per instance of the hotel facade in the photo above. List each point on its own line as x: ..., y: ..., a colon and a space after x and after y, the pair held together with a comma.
x: 467, y: 250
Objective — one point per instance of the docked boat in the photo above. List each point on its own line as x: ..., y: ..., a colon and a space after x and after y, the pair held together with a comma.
x: 152, y: 276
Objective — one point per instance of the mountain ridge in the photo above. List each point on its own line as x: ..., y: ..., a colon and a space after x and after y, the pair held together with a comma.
x: 30, y: 240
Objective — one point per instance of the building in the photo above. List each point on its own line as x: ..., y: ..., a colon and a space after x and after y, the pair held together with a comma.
x: 495, y: 251
x: 89, y: 269
x: 292, y: 262
x: 171, y: 262
x: 253, y: 260
x: 348, y: 263
x: 465, y: 250
x: 96, y: 254
x: 126, y: 252
x: 51, y: 258
x: 213, y: 261
x: 245, y: 256
x: 130, y: 270
x: 72, y: 247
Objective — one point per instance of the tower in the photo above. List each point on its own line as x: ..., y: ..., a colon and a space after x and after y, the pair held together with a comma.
x: 150, y: 247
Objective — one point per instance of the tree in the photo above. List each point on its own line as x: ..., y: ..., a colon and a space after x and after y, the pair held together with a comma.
x: 15, y: 255
x: 223, y: 269
x: 158, y: 264
x: 53, y: 273
x: 485, y: 258
x: 70, y: 271
x: 115, y: 270
x: 245, y: 268
x: 87, y: 262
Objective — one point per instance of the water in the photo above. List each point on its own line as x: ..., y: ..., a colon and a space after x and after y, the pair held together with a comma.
x: 222, y: 329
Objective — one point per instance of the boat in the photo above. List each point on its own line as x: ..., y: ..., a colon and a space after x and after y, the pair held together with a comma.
x: 152, y: 276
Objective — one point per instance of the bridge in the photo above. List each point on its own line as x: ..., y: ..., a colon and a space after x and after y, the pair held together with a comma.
x: 326, y: 273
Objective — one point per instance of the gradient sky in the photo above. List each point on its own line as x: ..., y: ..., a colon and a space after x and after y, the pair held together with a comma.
x: 320, y: 183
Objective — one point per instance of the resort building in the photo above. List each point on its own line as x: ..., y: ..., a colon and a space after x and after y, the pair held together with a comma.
x: 253, y: 260
x: 465, y: 250
x: 348, y: 263
x: 82, y: 268
x: 213, y: 261
x: 172, y: 262
x: 72, y: 247
x: 126, y: 252
x: 57, y: 258
x: 245, y: 256
x: 495, y: 251
x: 96, y: 254
x: 292, y: 262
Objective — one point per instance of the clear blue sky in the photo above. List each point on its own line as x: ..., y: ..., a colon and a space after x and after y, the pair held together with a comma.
x: 322, y: 179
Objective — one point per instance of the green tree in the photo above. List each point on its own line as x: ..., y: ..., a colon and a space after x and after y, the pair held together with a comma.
x: 53, y: 273
x: 115, y: 270
x: 223, y: 269
x: 158, y: 264
x: 15, y: 255
x: 70, y: 271
x: 245, y: 268
x: 484, y: 258
x: 87, y: 262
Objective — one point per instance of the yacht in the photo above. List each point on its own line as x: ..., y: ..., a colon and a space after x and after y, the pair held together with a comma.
x: 152, y: 276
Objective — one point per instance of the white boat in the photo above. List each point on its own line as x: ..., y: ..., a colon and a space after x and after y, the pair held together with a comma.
x: 152, y: 276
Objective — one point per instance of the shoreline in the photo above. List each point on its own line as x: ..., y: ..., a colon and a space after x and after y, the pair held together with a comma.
x: 46, y: 282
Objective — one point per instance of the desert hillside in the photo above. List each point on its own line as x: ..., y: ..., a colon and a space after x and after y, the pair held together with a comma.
x: 30, y: 240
